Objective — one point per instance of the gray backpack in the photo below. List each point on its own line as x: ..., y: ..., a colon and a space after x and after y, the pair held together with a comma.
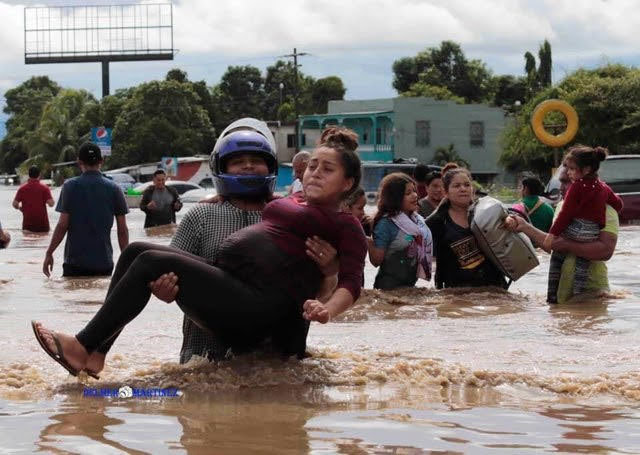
x: 511, y: 252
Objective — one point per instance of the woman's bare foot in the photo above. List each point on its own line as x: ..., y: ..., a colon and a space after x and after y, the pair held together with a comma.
x: 95, y: 362
x: 73, y: 352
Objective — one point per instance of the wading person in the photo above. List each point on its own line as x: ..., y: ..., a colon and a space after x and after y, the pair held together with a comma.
x: 582, y: 215
x: 402, y: 243
x: 597, y: 252
x: 435, y: 192
x: 244, y: 182
x: 263, y: 283
x: 459, y: 261
x: 87, y: 206
x: 32, y: 199
x: 539, y: 212
x: 160, y: 202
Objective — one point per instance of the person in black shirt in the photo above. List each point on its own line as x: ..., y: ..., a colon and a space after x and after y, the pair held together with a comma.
x: 460, y: 263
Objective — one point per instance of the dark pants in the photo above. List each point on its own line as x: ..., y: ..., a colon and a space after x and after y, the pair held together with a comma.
x: 72, y: 270
x: 211, y: 297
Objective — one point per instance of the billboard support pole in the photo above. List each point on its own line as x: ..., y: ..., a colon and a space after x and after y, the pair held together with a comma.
x: 105, y: 78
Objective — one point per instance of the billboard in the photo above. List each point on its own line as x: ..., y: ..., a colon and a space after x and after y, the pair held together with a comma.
x: 66, y: 34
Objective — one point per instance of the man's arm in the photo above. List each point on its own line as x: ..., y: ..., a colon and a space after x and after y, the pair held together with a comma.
x: 50, y: 202
x: 58, y: 234
x: 600, y: 250
x: 123, y: 231
x: 16, y: 204
x: 146, y: 198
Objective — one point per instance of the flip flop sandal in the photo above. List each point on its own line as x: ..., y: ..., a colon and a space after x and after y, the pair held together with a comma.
x: 92, y: 374
x: 59, y: 356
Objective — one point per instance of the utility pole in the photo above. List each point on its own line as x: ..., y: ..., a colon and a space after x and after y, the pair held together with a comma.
x: 295, y: 56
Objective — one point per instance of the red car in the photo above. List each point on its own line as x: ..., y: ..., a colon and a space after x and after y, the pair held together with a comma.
x: 622, y: 174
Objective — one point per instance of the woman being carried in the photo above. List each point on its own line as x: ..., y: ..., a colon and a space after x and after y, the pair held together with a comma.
x: 262, y: 284
x: 459, y: 261
x: 402, y: 243
x: 582, y: 213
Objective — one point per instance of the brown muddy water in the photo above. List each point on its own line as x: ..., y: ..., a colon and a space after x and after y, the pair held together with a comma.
x: 418, y: 371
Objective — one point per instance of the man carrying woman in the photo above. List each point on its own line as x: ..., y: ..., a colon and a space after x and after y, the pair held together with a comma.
x: 263, y: 284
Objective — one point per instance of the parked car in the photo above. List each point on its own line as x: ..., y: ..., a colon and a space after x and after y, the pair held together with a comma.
x: 124, y: 181
x: 196, y: 195
x: 622, y: 174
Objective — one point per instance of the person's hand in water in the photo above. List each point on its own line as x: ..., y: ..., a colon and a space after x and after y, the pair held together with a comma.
x: 315, y: 310
x: 323, y: 254
x: 47, y: 265
x: 166, y: 287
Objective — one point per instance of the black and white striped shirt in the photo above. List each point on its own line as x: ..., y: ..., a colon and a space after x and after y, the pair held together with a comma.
x: 201, y: 232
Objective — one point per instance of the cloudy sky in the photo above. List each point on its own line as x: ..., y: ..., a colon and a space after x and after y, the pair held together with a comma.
x: 357, y: 40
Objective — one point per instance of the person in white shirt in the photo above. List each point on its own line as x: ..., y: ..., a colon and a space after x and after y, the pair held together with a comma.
x: 299, y: 164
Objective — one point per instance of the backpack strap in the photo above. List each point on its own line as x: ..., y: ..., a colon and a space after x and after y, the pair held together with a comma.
x: 535, y: 207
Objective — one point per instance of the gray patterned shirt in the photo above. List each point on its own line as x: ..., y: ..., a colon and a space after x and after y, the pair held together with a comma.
x: 201, y: 232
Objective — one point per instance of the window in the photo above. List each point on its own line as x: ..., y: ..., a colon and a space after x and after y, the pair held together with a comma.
x: 379, y: 138
x: 303, y: 140
x: 291, y: 141
x: 476, y: 134
x: 423, y: 133
x: 365, y: 137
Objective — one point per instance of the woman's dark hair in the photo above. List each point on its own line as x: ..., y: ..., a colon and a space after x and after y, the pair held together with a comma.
x: 534, y: 185
x: 345, y: 142
x: 420, y: 172
x: 584, y: 156
x: 353, y: 197
x: 391, y: 194
x: 447, y: 167
x: 448, y: 177
x: 431, y: 177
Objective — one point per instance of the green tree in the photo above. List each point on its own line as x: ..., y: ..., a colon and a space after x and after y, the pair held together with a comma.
x: 162, y: 118
x: 538, y: 78
x: 324, y: 90
x: 508, y: 90
x: 432, y: 91
x: 65, y: 123
x: 449, y: 154
x: 24, y: 104
x: 445, y: 66
x: 545, y: 65
x: 240, y: 93
x: 607, y: 101
x: 280, y: 73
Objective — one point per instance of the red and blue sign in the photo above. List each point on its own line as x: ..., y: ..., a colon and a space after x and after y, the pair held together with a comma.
x: 101, y: 136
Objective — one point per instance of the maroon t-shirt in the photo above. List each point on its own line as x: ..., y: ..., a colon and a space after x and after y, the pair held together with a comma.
x: 274, y: 250
x: 587, y: 199
x: 34, y: 196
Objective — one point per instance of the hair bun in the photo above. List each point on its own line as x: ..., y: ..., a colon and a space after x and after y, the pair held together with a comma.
x: 340, y: 137
x: 600, y: 153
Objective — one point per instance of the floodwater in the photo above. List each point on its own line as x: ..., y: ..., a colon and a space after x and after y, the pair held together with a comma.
x: 418, y: 371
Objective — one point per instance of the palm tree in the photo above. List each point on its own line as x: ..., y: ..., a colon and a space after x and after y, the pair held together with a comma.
x: 444, y: 155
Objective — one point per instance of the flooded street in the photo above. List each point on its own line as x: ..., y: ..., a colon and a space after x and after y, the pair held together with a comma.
x: 480, y: 371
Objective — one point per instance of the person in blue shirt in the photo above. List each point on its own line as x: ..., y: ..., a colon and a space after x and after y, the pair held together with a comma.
x: 87, y: 205
x: 402, y: 242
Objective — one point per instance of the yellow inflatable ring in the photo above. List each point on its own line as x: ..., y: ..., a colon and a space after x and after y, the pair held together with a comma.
x: 547, y: 138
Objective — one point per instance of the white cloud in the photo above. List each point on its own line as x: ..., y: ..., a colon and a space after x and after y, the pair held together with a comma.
x: 11, y: 33
x: 364, y: 36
